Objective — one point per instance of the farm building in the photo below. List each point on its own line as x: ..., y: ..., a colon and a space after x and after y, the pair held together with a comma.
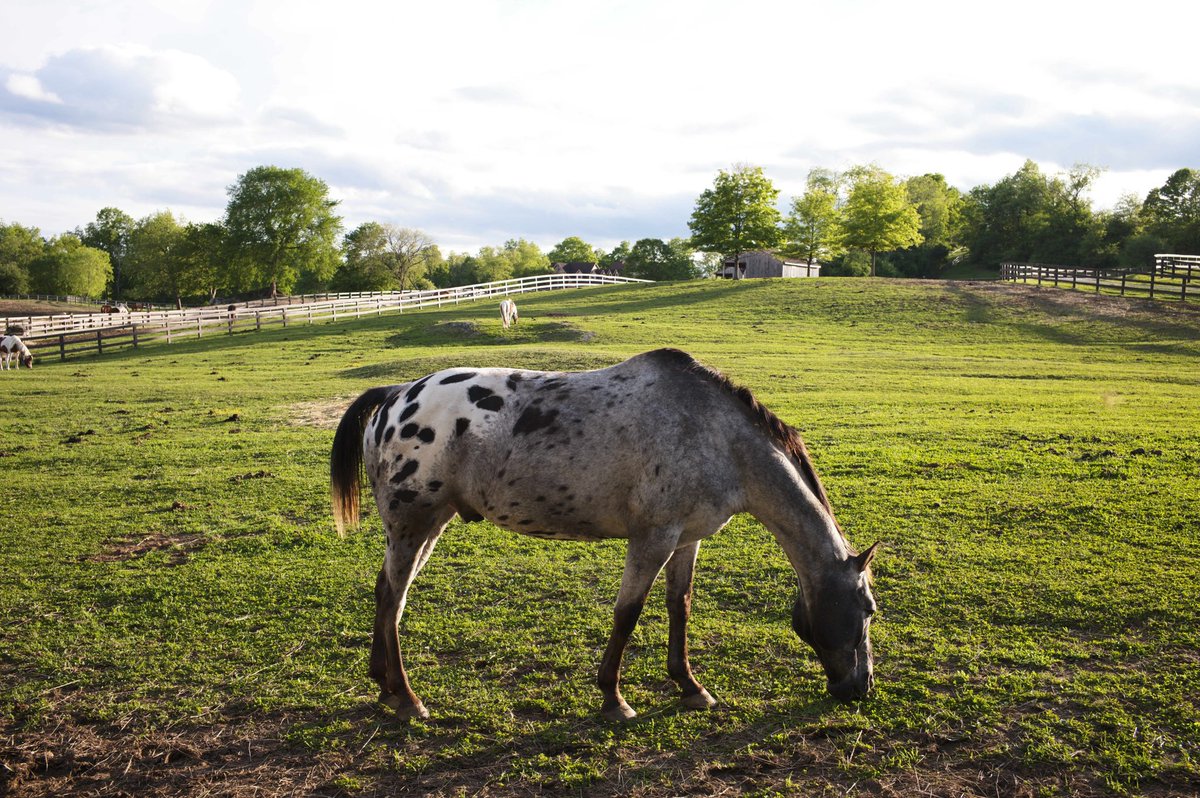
x: 768, y: 264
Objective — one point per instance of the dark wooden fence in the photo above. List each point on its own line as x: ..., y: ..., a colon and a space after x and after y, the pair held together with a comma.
x: 76, y: 334
x: 1171, y: 277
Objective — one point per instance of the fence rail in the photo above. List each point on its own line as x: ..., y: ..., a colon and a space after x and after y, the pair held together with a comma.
x: 1171, y: 277
x: 103, y: 332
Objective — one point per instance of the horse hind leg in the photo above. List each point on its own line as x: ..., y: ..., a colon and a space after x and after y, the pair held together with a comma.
x: 410, y: 542
x: 680, y: 569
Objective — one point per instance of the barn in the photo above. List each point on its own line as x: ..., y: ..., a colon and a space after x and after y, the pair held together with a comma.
x: 763, y: 263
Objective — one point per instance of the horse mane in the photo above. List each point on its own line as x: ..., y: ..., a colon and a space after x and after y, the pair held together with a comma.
x: 783, y: 434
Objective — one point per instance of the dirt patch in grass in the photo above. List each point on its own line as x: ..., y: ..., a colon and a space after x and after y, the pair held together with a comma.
x: 245, y: 753
x: 178, y: 546
x: 31, y: 307
x: 1067, y: 302
x: 323, y: 413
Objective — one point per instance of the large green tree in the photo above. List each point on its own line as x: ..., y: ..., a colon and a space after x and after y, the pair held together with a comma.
x: 655, y: 259
x: 1031, y: 216
x: 737, y: 214
x: 813, y: 229
x: 1172, y: 212
x: 201, y: 255
x: 940, y: 209
x: 878, y: 216
x: 110, y: 231
x: 19, y: 247
x: 280, y: 228
x: 526, y: 257
x: 68, y: 267
x: 409, y: 254
x: 573, y: 248
x: 366, y: 260
x: 154, y: 259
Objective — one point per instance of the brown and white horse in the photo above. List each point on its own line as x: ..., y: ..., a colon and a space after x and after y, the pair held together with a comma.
x: 508, y: 313
x: 683, y: 450
x: 10, y: 347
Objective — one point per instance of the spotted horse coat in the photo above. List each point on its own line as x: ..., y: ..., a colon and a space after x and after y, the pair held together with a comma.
x: 658, y: 450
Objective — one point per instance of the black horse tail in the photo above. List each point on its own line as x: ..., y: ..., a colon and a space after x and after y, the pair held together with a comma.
x: 345, y: 460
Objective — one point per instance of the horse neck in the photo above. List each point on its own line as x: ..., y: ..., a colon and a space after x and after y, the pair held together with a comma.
x: 805, y: 529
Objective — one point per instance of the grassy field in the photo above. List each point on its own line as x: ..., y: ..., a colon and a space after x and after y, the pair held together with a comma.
x: 177, y: 615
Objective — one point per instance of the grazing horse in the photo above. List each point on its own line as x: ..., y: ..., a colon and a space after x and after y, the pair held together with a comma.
x: 11, y: 346
x: 682, y: 450
x: 508, y: 312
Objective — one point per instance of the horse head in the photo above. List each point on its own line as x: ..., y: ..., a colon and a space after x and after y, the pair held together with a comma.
x: 836, y: 621
x: 26, y: 360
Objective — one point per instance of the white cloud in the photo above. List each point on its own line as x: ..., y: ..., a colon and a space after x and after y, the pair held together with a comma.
x: 30, y: 88
x: 126, y: 86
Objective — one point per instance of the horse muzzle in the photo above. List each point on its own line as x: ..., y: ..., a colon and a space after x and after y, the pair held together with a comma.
x: 852, y: 688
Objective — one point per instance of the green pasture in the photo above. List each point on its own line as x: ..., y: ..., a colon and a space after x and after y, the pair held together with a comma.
x: 178, y: 616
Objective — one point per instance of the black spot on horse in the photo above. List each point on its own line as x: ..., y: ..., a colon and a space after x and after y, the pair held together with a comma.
x: 406, y: 471
x: 415, y: 391
x: 406, y: 496
x: 491, y: 403
x: 461, y: 425
x: 427, y: 435
x: 478, y: 392
x: 407, y: 413
x: 409, y: 430
x: 386, y: 406
x: 532, y: 420
x: 512, y: 381
x: 435, y: 486
x: 526, y: 522
x: 502, y: 518
x: 387, y: 436
x: 453, y: 378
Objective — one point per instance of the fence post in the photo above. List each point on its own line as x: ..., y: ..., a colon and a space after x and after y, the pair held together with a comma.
x: 1097, y: 281
x: 62, y: 347
x: 99, y: 342
x: 1123, y: 276
x: 134, y: 328
x: 199, y: 327
x: 1153, y: 270
x: 257, y: 321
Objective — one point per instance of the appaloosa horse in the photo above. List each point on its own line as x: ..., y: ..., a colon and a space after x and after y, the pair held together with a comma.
x: 10, y: 347
x: 681, y: 449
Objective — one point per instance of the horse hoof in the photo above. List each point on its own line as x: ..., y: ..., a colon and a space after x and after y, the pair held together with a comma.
x: 619, y: 713
x: 700, y: 700
x: 403, y: 709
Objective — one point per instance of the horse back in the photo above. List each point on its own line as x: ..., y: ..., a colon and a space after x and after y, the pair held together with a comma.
x: 585, y: 455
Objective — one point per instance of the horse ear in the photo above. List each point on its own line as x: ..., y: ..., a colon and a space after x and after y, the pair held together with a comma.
x: 864, y: 559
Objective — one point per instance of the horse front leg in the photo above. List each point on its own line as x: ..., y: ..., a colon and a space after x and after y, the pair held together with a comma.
x: 409, y: 548
x: 680, y: 569
x: 644, y: 559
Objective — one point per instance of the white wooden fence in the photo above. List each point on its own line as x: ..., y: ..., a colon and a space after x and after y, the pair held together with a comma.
x: 79, y: 333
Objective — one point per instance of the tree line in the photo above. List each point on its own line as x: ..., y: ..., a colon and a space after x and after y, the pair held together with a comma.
x: 281, y: 233
x: 867, y: 221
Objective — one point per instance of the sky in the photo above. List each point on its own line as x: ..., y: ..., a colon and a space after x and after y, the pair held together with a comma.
x: 479, y: 121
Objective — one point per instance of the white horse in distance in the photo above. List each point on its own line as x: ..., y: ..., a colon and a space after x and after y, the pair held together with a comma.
x: 508, y: 313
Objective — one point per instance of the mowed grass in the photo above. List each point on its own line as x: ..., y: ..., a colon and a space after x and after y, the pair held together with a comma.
x: 177, y: 615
